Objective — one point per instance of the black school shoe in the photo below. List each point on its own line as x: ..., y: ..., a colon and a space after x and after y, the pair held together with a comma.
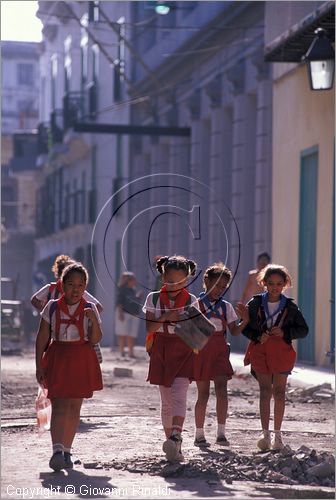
x: 67, y: 460
x: 57, y: 461
x: 222, y: 441
x: 201, y: 442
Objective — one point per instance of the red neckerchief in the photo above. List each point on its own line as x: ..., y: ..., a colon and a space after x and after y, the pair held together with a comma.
x: 77, y: 318
x: 179, y: 302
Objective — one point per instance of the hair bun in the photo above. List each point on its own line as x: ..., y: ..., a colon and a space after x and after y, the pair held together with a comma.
x: 192, y: 267
x: 160, y: 263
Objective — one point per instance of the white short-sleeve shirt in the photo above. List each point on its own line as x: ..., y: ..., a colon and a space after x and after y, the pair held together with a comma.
x: 156, y: 310
x: 272, y: 307
x: 231, y: 316
x: 42, y: 295
x: 71, y: 333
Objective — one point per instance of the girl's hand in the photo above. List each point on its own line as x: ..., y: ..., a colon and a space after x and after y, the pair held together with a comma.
x: 242, y: 312
x: 276, y: 332
x: 263, y: 338
x: 89, y: 313
x: 40, y: 376
x: 173, y: 316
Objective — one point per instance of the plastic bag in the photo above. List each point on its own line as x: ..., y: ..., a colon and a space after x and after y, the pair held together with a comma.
x: 43, y: 410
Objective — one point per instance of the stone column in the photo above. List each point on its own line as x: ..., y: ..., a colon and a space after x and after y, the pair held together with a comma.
x: 243, y: 180
x: 263, y: 179
x: 220, y: 183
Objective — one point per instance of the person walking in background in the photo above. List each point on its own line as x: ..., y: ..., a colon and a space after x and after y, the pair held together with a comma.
x: 127, y: 313
x: 274, y: 321
x: 213, y: 361
x: 53, y: 290
x: 252, y: 286
x: 66, y: 362
x: 171, y: 359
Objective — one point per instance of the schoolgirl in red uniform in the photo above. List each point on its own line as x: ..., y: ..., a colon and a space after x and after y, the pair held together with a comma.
x: 66, y: 363
x: 171, y: 359
x: 275, y: 320
x: 212, y: 362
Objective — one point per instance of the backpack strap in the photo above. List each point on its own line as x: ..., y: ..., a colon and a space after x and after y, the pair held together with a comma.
x: 155, y: 297
x: 51, y: 289
x: 223, y: 306
x: 52, y: 309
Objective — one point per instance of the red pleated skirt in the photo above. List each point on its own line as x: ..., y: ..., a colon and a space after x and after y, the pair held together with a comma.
x: 170, y: 358
x: 71, y: 370
x: 213, y: 360
x: 274, y: 356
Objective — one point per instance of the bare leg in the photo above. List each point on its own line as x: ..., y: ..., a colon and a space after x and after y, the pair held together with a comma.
x: 58, y: 419
x: 121, y: 343
x: 265, y: 385
x: 221, y: 399
x: 73, y: 415
x: 279, y: 394
x: 203, y: 388
x: 130, y: 344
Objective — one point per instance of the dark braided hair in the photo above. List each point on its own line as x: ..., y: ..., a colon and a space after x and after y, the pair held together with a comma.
x: 176, y: 262
x: 217, y: 271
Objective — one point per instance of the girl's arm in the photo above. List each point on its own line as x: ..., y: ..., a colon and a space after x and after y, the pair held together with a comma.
x: 95, y: 332
x: 153, y: 323
x: 41, y: 343
x: 36, y: 303
x: 251, y: 330
x: 242, y: 312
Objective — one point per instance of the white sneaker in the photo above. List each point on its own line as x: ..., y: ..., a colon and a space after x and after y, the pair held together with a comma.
x: 277, y: 443
x: 264, y: 443
x: 172, y: 448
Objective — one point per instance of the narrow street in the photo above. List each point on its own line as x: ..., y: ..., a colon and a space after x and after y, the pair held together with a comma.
x: 118, y: 446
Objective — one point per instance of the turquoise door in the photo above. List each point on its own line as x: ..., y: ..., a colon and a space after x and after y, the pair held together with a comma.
x: 332, y: 297
x: 307, y: 250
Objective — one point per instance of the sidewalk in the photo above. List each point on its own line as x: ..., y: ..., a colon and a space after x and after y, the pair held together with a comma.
x: 303, y: 375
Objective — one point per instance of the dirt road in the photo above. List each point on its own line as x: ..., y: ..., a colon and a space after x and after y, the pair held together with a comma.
x: 119, y: 442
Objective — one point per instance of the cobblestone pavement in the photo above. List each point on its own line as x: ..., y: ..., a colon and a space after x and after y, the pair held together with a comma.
x: 118, y: 446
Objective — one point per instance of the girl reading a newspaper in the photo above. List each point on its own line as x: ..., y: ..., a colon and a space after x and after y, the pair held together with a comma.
x: 171, y: 359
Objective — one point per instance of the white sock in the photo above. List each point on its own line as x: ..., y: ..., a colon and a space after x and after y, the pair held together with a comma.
x: 221, y: 430
x: 66, y: 450
x: 266, y: 433
x: 199, y: 433
x: 277, y: 433
x: 58, y: 447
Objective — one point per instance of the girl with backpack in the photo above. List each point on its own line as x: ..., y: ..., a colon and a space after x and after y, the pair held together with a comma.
x: 212, y: 362
x: 66, y: 362
x: 275, y: 320
x: 171, y: 359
